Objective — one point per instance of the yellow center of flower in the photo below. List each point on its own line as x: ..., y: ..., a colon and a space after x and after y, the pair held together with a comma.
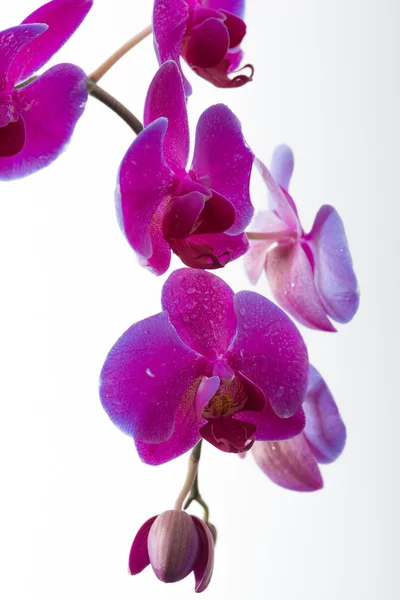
x: 229, y: 399
x: 219, y: 405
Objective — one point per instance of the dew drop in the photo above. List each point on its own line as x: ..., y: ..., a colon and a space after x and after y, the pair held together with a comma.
x: 149, y: 372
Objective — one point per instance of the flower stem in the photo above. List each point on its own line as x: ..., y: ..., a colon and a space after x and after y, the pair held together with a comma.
x: 191, y: 475
x: 116, y: 106
x: 114, y: 58
x: 191, y: 486
x: 195, y: 495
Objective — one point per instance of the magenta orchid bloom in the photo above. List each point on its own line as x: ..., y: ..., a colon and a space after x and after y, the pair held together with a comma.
x: 200, y: 214
x: 311, y: 275
x: 175, y: 544
x: 37, y: 119
x: 206, y: 33
x: 293, y: 464
x: 229, y: 368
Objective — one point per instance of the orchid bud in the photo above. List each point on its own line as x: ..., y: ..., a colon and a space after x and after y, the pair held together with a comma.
x: 175, y: 544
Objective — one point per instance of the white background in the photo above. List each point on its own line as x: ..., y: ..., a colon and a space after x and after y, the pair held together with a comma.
x: 73, y: 491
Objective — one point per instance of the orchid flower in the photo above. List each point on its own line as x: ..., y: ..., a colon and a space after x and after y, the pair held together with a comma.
x: 199, y: 214
x: 229, y: 368
x: 311, y: 275
x: 293, y: 463
x: 206, y: 33
x: 38, y: 117
x: 175, y: 544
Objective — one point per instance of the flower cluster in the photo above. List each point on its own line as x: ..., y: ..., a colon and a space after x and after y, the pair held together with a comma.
x: 229, y: 368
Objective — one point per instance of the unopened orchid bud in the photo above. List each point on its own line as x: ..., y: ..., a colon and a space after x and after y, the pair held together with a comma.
x: 175, y: 544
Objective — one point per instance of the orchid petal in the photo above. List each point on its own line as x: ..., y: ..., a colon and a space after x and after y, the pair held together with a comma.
x: 254, y: 260
x: 222, y: 161
x: 145, y: 180
x: 170, y: 22
x: 12, y: 43
x: 207, y: 44
x: 204, y: 567
x: 12, y: 138
x: 217, y: 216
x: 218, y: 75
x: 289, y: 463
x: 233, y: 58
x: 270, y: 427
x: 236, y: 28
x: 264, y: 222
x: 160, y: 259
x: 278, y: 201
x: 215, y: 250
x: 291, y: 278
x: 210, y: 250
x: 50, y: 107
x: 139, y: 555
x: 181, y: 214
x: 142, y: 392
x: 200, y: 307
x: 236, y: 7
x: 282, y: 165
x: 166, y: 98
x: 334, y: 275
x: 325, y: 430
x: 184, y: 437
x: 269, y: 350
x: 63, y: 17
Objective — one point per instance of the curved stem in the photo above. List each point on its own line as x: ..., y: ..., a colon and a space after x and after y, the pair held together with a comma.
x: 194, y: 487
x: 114, y: 58
x: 116, y: 106
x: 191, y: 476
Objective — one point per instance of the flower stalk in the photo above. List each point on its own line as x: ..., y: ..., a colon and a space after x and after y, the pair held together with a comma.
x: 115, y: 105
x: 191, y: 475
x: 114, y: 58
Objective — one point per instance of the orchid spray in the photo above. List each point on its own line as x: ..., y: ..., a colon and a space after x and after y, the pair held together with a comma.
x: 230, y: 369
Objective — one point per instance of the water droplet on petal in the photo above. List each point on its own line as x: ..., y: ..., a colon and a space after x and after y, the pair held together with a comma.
x: 149, y: 373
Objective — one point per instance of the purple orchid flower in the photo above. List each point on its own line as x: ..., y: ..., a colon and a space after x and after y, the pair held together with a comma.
x: 200, y: 214
x: 207, y: 33
x: 37, y: 119
x: 229, y: 368
x: 293, y: 464
x: 311, y: 275
x: 175, y: 544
